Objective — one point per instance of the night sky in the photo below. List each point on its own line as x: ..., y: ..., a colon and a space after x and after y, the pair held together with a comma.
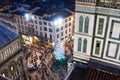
x: 65, y: 3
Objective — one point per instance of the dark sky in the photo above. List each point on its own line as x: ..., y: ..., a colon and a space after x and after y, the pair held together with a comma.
x: 67, y: 3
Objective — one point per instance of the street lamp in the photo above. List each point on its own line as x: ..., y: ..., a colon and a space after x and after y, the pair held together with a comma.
x: 58, y: 21
x: 29, y: 16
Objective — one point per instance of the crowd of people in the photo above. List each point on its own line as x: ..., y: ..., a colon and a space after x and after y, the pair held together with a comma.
x: 41, y: 58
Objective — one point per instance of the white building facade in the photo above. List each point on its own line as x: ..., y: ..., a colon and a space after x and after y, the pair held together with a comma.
x: 97, y: 32
x: 47, y: 27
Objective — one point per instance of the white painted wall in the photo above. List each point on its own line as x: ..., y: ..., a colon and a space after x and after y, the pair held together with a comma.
x: 91, y: 22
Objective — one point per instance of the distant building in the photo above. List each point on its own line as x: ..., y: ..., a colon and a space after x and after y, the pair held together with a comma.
x: 12, y: 64
x: 97, y: 34
x: 49, y: 23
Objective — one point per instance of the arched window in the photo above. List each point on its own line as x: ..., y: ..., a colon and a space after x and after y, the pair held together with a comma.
x: 84, y: 45
x: 79, y: 44
x: 81, y: 23
x: 86, y: 24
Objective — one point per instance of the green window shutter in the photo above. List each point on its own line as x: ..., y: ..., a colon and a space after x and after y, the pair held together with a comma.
x: 81, y: 23
x: 85, y: 45
x: 97, y: 50
x: 86, y: 24
x: 100, y: 26
x: 79, y: 44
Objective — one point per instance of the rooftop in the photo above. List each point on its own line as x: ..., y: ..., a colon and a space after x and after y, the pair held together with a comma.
x: 50, y: 9
x: 6, y: 35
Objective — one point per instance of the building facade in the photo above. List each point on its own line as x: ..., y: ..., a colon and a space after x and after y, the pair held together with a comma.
x: 49, y: 24
x: 97, y: 32
x: 45, y: 27
x: 12, y: 64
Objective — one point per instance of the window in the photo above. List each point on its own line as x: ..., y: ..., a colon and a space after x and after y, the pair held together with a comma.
x: 39, y: 17
x: 50, y: 36
x: 65, y: 20
x: 69, y: 30
x: 50, y: 30
x: 45, y: 23
x: 69, y: 18
x: 79, y: 44
x: 57, y: 29
x: 35, y: 22
x: 45, y: 35
x: 62, y: 28
x: 40, y: 28
x: 97, y: 47
x: 100, y: 26
x: 45, y: 28
x: 65, y: 36
x: 86, y: 24
x: 66, y: 25
x: 80, y: 23
x: 69, y: 24
x: 36, y: 32
x: 1, y: 57
x: 66, y: 31
x: 40, y: 22
x: 49, y: 24
x: 84, y: 45
x: 36, y: 27
x: 61, y: 33
x: 41, y: 34
x: 62, y: 39
x: 57, y: 35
